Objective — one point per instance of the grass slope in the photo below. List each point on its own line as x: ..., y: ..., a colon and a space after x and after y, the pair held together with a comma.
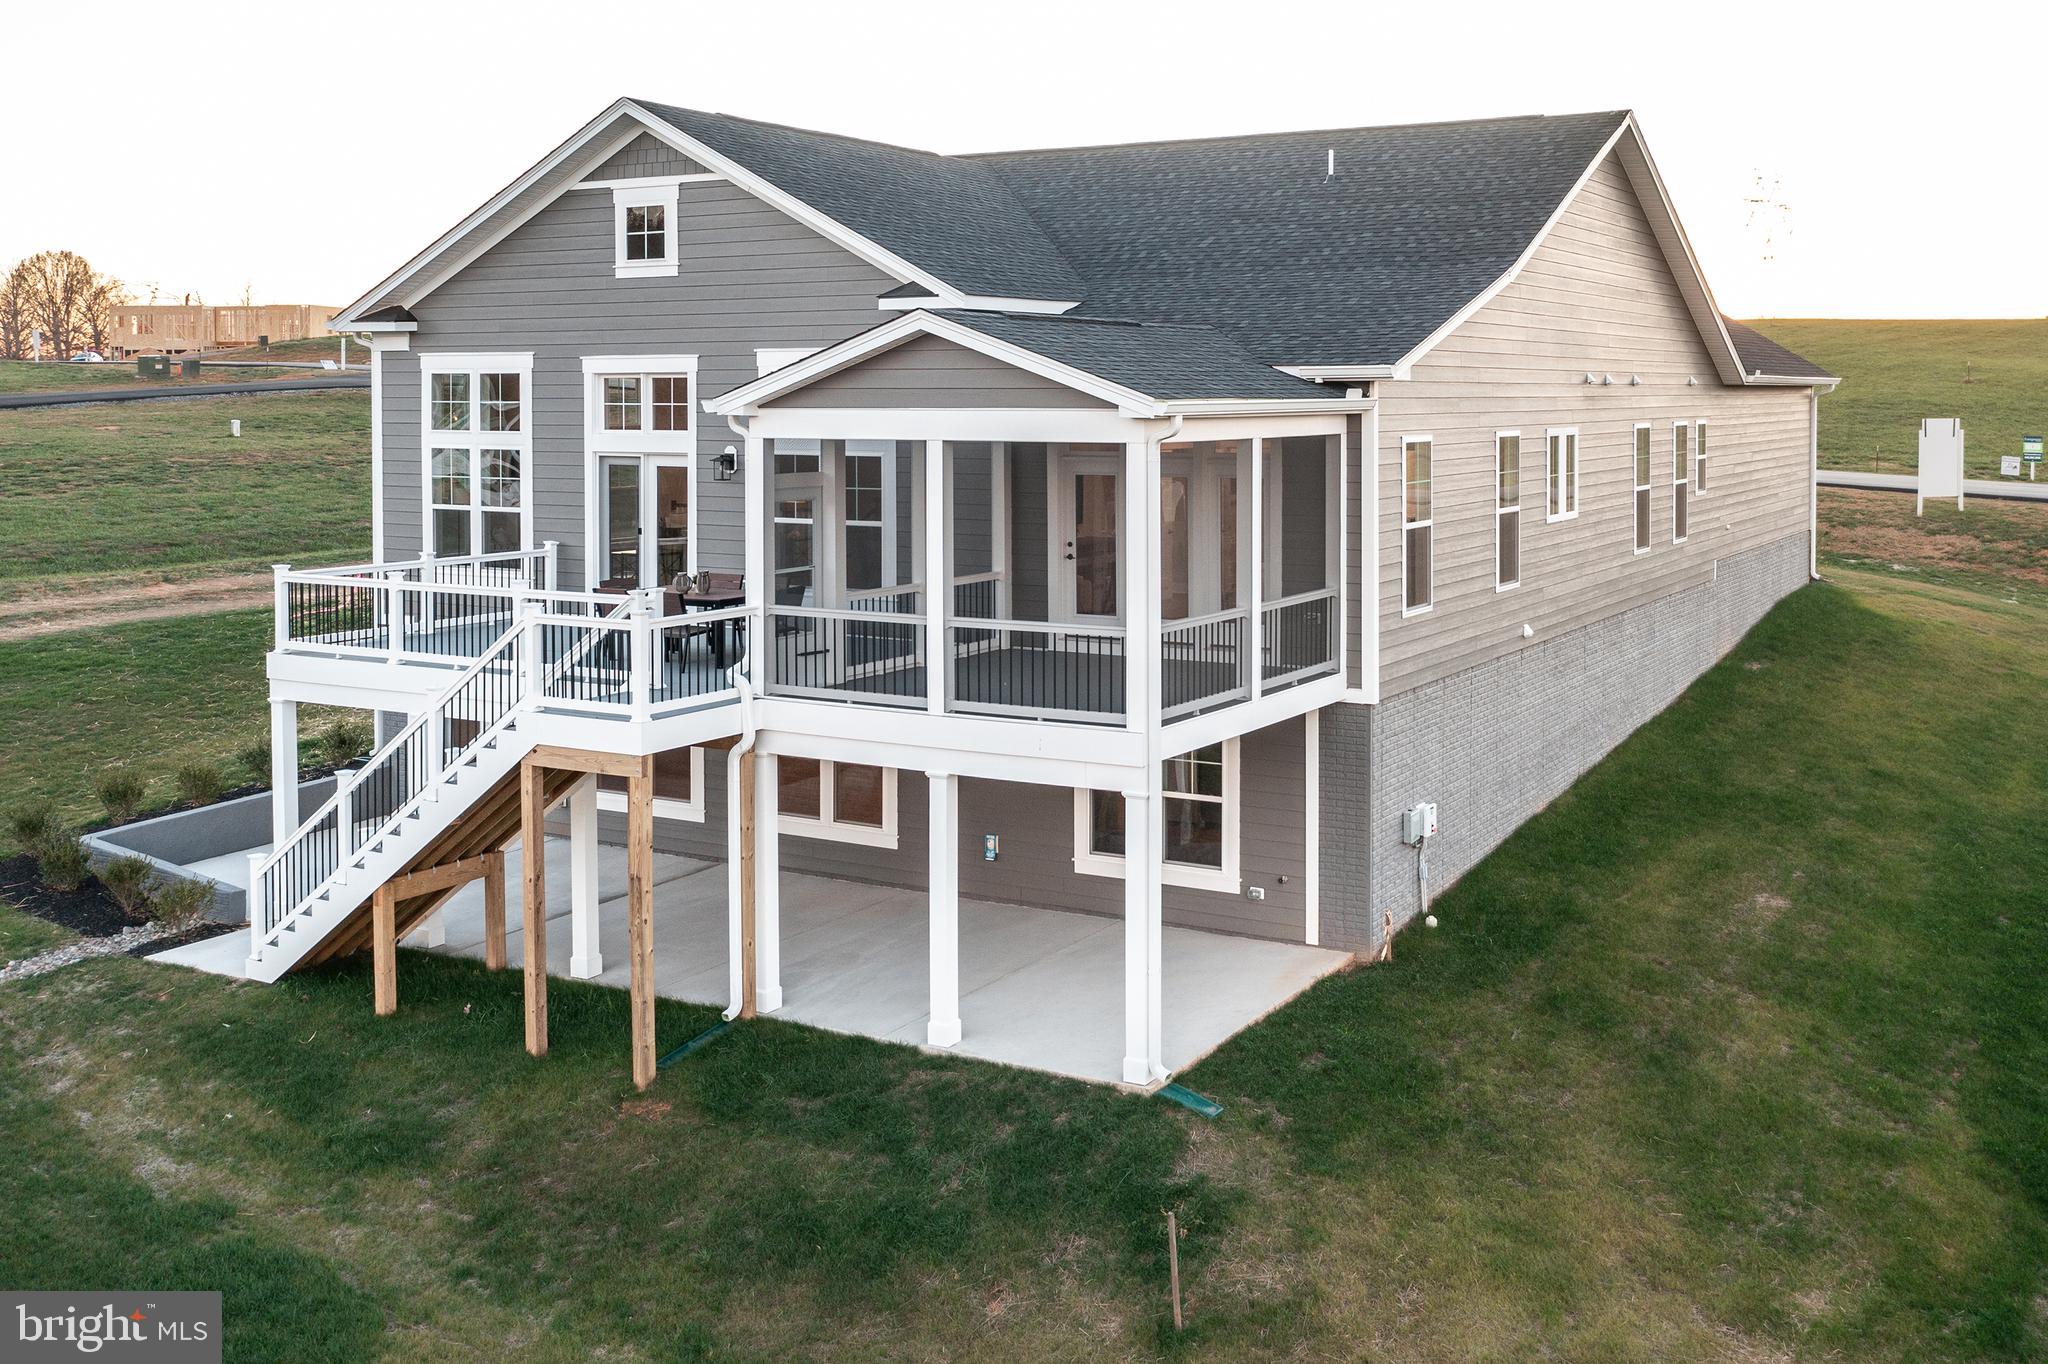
x: 22, y: 376
x: 1994, y: 375
x: 143, y: 487
x: 1738, y: 1051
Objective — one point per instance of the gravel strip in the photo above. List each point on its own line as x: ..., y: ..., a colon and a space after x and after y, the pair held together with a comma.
x: 85, y: 949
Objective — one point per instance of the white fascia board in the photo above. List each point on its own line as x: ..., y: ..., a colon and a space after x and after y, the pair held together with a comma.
x: 546, y: 166
x: 375, y: 327
x: 1761, y: 380
x: 650, y: 182
x: 888, y: 335
x: 1265, y: 407
x: 1354, y: 374
x: 983, y: 303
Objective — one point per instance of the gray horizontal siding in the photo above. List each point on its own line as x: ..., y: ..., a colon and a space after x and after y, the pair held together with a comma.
x: 749, y: 277
x: 1597, y: 297
x: 1036, y: 825
x: 928, y: 371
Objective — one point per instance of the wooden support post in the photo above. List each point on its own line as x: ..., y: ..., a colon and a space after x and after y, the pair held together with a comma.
x: 746, y: 943
x: 384, y: 949
x: 494, y: 912
x: 640, y: 917
x: 532, y: 835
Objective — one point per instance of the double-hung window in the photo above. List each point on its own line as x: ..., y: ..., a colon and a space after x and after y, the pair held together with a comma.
x: 843, y: 802
x: 1699, y: 458
x: 1417, y: 526
x: 477, y: 443
x: 863, y: 491
x: 1641, y: 461
x: 1199, y: 812
x: 644, y: 227
x: 1681, y: 459
x: 1563, y: 474
x: 1507, y: 510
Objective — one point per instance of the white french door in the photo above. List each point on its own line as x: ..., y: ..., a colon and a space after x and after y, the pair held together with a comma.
x: 1088, y: 491
x: 644, y: 519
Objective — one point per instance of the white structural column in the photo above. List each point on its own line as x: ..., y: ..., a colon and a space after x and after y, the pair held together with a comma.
x: 938, y: 577
x: 284, y: 771
x: 1312, y: 830
x: 586, y: 958
x: 758, y: 471
x: 1143, y: 971
x: 1369, y: 558
x: 944, y: 1030
x: 735, y: 921
x: 1257, y: 566
x: 1142, y: 983
x: 767, y: 884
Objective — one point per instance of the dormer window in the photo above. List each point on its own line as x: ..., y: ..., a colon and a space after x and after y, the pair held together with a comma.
x: 643, y: 231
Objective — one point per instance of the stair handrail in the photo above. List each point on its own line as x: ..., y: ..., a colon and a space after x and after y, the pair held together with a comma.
x: 433, y: 715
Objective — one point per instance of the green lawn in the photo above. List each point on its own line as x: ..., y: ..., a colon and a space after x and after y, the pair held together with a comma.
x: 1994, y: 375
x: 1738, y: 1051
x: 147, y: 696
x: 23, y: 936
x: 140, y: 488
x: 21, y: 376
x: 1997, y: 546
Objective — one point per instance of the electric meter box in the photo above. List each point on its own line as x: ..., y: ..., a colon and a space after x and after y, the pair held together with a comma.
x: 1418, y: 822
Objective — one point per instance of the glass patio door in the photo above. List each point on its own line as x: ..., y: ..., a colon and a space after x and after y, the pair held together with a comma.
x: 1092, y: 545
x: 645, y: 521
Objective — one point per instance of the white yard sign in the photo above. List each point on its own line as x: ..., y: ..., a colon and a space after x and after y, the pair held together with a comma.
x: 2008, y: 466
x: 1941, y: 461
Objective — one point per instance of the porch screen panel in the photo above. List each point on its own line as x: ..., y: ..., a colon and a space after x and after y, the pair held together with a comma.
x: 1175, y: 543
x: 864, y: 519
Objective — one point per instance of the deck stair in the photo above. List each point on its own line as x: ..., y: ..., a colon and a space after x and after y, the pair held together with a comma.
x: 445, y: 787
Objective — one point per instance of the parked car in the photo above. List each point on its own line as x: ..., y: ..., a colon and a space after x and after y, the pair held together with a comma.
x: 87, y: 357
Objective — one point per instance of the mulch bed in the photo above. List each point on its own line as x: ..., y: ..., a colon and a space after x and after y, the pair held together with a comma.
x: 196, y: 933
x: 88, y: 911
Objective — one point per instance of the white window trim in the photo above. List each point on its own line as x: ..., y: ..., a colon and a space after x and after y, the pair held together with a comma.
x: 599, y: 442
x: 1225, y: 879
x: 1498, y: 511
x: 668, y: 807
x: 475, y: 364
x: 1401, y: 510
x: 1699, y: 457
x: 654, y: 191
x: 1570, y: 473
x: 1643, y: 541
x: 830, y: 829
x: 1679, y: 466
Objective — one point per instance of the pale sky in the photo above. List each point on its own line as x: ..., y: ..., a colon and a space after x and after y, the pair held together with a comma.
x: 308, y: 150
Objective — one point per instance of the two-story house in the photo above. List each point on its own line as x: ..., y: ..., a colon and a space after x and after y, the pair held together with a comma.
x: 1131, y: 531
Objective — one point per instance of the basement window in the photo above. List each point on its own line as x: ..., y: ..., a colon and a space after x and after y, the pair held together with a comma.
x: 678, y: 786
x: 841, y: 802
x: 1199, y: 800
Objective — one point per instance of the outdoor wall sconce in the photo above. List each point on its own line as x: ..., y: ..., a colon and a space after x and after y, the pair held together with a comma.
x: 724, y: 466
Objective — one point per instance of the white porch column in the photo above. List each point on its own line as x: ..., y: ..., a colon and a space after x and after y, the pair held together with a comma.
x: 735, y: 926
x: 767, y: 884
x: 944, y: 825
x: 1142, y: 971
x: 1258, y: 568
x: 1140, y: 575
x: 938, y: 577
x: 586, y: 959
x: 284, y: 771
x: 759, y: 472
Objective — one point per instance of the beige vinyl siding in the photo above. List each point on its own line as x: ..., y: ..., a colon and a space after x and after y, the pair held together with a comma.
x: 929, y: 371
x: 749, y: 276
x: 1597, y: 296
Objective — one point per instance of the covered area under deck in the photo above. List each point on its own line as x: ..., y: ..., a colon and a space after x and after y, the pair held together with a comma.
x: 1038, y: 988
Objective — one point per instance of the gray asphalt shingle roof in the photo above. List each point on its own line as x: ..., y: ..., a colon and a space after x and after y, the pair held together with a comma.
x: 1761, y: 355
x: 1160, y: 360
x: 1248, y: 236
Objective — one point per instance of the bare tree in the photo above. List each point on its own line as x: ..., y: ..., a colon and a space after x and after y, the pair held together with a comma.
x: 14, y: 315
x: 73, y: 304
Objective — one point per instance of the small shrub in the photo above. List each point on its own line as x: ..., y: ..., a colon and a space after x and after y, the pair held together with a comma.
x: 181, y: 903
x: 132, y: 883
x: 33, y: 825
x: 255, y: 756
x: 201, y: 782
x: 62, y: 863
x: 120, y: 794
x: 345, y: 740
